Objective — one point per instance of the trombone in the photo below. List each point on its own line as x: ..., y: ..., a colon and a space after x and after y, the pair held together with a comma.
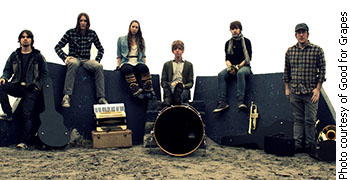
x: 327, y: 133
x: 253, y: 117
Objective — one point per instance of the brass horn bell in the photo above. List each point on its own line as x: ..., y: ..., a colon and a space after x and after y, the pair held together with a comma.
x: 327, y: 133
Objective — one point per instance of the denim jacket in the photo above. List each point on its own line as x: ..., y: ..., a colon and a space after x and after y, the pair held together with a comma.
x: 36, y: 74
x: 123, y: 51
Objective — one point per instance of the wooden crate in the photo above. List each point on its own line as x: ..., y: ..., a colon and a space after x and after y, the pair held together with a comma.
x: 111, y: 139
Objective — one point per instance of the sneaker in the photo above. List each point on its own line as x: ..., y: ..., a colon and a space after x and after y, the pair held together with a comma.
x: 65, y: 101
x: 242, y: 106
x: 222, y: 105
x: 22, y: 146
x: 102, y: 101
x: 6, y: 117
x: 240, y: 103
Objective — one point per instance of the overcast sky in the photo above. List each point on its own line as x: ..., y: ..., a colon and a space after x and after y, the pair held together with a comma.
x: 202, y: 25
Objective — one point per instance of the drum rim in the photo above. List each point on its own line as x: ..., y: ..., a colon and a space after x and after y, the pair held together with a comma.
x: 183, y: 106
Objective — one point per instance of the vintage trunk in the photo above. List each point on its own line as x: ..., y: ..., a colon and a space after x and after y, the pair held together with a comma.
x: 112, y: 139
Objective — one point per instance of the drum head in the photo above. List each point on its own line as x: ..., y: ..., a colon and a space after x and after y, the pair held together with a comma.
x: 179, y: 130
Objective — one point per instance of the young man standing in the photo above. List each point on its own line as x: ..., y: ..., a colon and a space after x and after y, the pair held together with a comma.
x: 304, y: 73
x: 238, y: 52
x: 177, y: 77
x: 80, y: 40
x: 28, y: 69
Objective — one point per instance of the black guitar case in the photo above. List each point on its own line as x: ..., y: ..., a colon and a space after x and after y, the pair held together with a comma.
x: 52, y: 131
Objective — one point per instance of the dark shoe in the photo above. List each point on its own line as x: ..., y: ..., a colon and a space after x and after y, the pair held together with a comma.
x: 222, y: 105
x: 138, y: 94
x: 102, y: 101
x: 167, y: 101
x: 242, y: 106
x: 240, y: 103
x: 177, y: 93
x: 65, y: 101
x: 151, y: 95
x: 6, y: 117
x: 311, y: 150
x: 22, y: 146
x: 298, y: 149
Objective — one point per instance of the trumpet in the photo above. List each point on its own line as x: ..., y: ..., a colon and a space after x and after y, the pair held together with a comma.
x: 253, y: 117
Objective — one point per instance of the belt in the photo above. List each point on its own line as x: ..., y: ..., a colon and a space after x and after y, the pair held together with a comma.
x: 23, y: 84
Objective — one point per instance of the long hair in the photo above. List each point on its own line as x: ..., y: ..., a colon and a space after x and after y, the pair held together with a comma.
x: 30, y: 35
x: 77, y: 27
x: 139, y: 39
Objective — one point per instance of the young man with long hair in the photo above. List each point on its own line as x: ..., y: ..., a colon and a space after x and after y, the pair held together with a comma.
x: 80, y: 40
x: 24, y: 75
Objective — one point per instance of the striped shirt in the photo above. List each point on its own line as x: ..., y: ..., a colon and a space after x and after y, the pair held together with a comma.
x: 304, y: 68
x: 79, y: 46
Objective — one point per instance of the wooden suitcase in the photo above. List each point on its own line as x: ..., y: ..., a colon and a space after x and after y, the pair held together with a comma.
x: 112, y: 139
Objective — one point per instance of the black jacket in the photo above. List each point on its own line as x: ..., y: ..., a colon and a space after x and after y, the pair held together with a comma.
x: 37, y: 71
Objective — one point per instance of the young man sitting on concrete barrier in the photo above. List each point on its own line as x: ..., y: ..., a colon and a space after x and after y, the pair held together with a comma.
x: 177, y: 77
x: 238, y: 52
x: 80, y: 40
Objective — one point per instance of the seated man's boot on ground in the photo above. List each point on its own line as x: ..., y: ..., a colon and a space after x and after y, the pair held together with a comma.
x: 22, y: 146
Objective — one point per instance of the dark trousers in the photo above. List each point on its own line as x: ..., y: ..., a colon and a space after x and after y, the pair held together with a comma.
x: 305, y: 116
x: 29, y: 97
x: 168, y: 92
x: 139, y: 69
x: 130, y: 72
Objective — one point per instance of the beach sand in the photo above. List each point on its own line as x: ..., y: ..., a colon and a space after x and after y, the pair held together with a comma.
x: 137, y: 162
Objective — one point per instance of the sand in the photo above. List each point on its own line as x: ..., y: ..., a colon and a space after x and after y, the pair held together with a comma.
x: 137, y: 162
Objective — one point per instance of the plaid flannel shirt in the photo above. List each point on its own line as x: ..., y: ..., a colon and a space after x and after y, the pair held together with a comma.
x: 304, y: 68
x: 79, y: 46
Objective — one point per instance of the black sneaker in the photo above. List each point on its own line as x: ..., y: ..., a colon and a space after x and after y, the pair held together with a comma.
x: 240, y: 103
x: 222, y: 105
x: 6, y: 117
x: 242, y: 106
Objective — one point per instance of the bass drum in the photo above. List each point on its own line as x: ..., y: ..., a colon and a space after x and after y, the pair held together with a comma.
x: 179, y: 130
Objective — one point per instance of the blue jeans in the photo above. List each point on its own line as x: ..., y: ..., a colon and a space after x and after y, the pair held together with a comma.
x: 241, y: 75
x: 304, y: 113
